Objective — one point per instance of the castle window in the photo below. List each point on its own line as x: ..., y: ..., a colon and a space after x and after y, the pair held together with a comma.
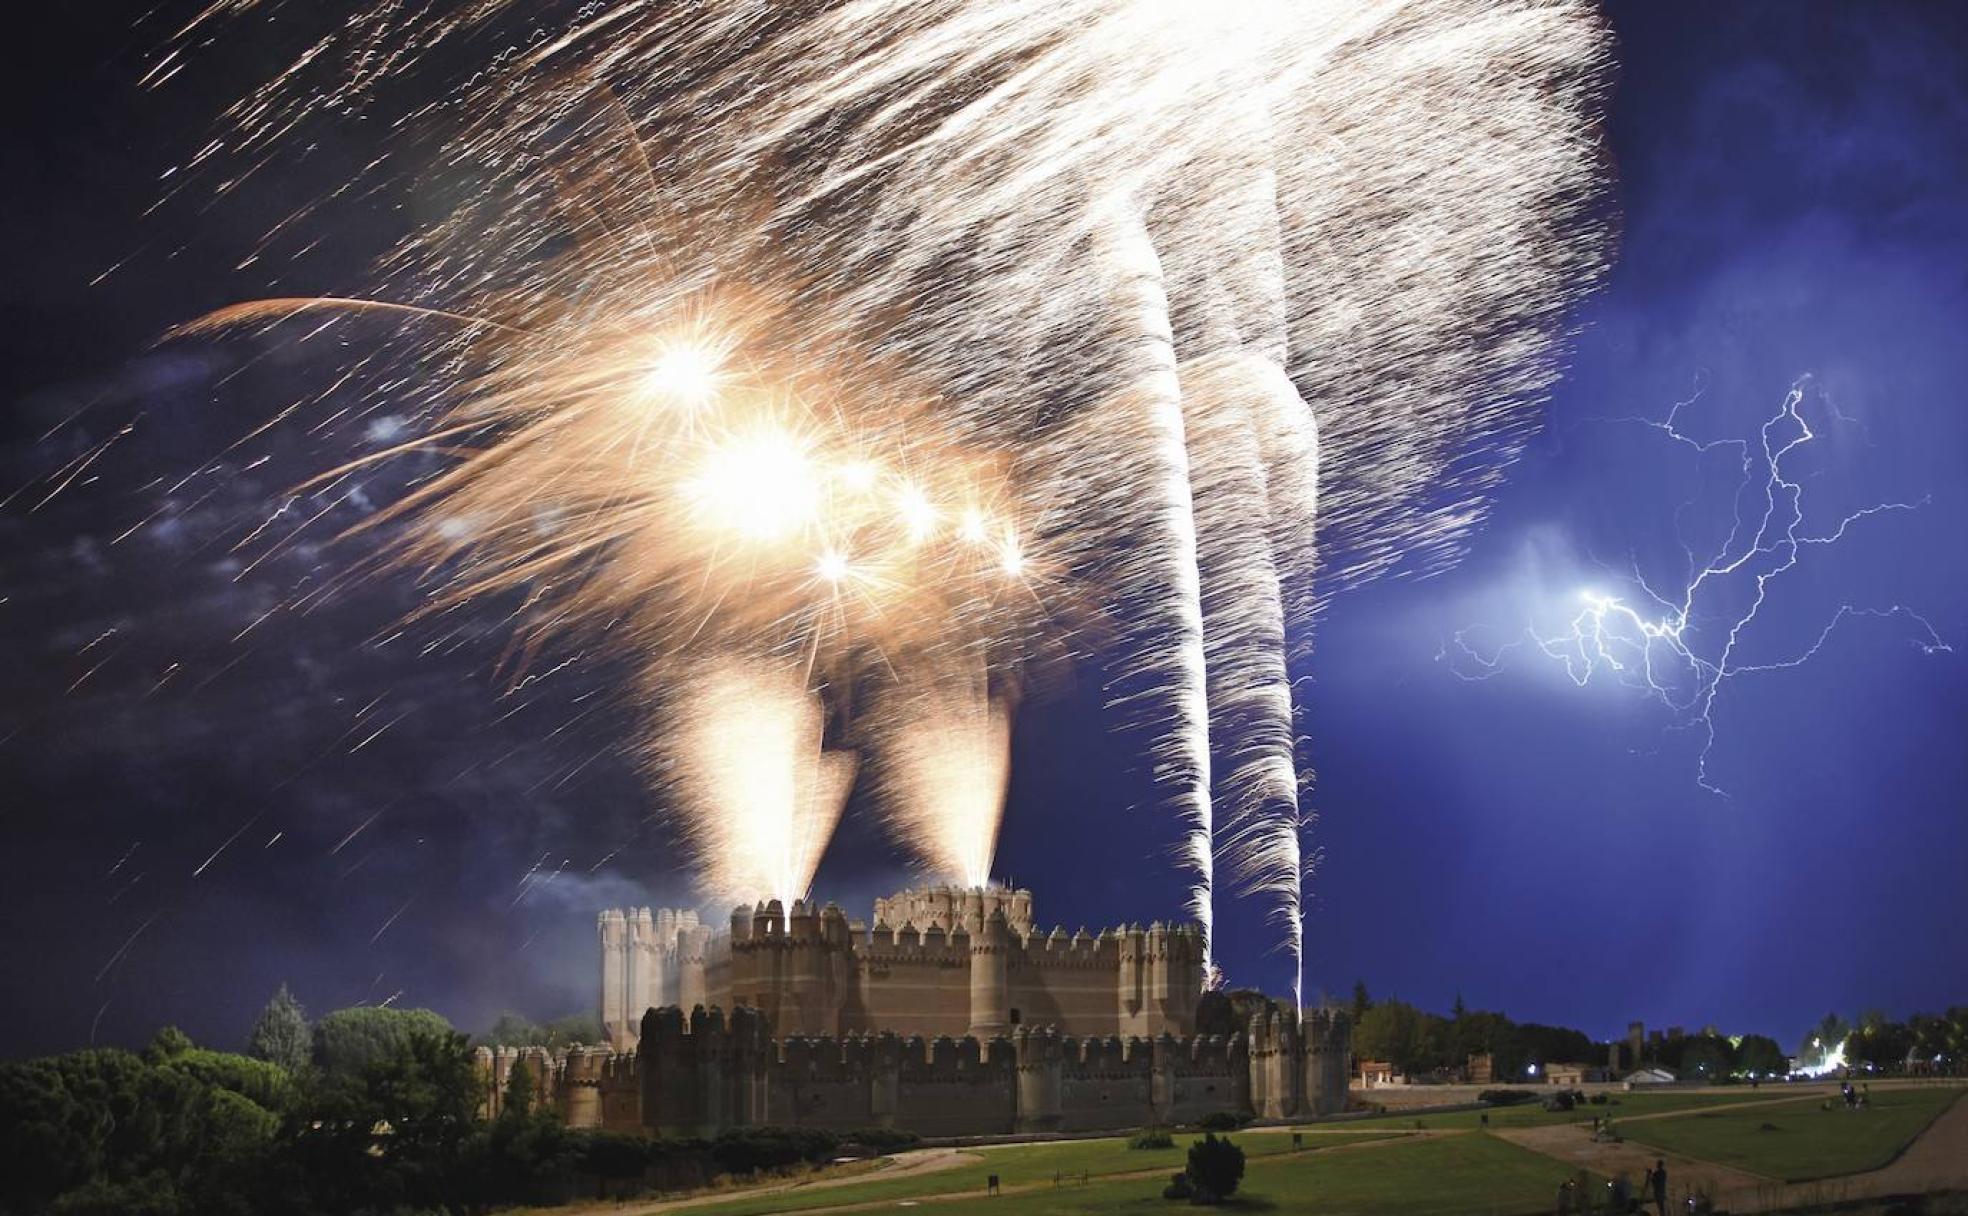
x: 1014, y: 1017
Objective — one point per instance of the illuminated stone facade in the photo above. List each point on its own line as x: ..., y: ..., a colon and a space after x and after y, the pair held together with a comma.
x: 961, y: 1020
x: 937, y: 962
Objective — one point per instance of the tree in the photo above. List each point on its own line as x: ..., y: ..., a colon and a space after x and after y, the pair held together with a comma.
x: 1388, y: 1031
x: 1216, y: 1169
x: 176, y: 1130
x: 1361, y: 1001
x: 1480, y: 1031
x: 393, y: 1133
x: 281, y: 1035
x: 1555, y: 1044
x: 1824, y: 1039
x: 349, y: 1041
x: 1760, y: 1056
x: 1707, y: 1057
x: 517, y: 1030
x: 168, y: 1042
x: 518, y: 1102
x: 1879, y: 1044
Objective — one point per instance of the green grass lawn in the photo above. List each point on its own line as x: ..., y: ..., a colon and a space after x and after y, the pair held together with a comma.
x: 1025, y: 1165
x: 1532, y: 1114
x: 1444, y: 1176
x: 1806, y: 1142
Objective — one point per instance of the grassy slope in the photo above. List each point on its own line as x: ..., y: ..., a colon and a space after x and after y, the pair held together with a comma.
x: 1025, y: 1164
x: 1445, y: 1176
x: 1808, y: 1142
x: 1532, y: 1114
x: 1021, y: 1165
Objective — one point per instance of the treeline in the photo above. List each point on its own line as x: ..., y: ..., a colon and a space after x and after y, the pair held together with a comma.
x: 1926, y: 1043
x: 1421, y: 1044
x: 370, y: 1110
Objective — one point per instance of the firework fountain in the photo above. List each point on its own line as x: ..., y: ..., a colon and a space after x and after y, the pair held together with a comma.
x: 790, y: 343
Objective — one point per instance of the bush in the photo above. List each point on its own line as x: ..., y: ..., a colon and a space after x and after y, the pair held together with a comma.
x: 1179, y: 1188
x: 883, y: 1139
x: 751, y: 1149
x: 1597, y: 1099
x: 1152, y: 1137
x: 1223, y: 1121
x: 1505, y: 1097
x: 1216, y: 1169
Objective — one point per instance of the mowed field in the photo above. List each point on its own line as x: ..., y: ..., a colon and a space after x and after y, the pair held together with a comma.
x: 1448, y: 1175
x: 1027, y: 1165
x: 1383, y: 1165
x: 1532, y: 1114
x: 1800, y: 1142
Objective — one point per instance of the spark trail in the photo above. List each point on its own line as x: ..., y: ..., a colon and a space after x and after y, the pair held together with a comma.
x: 1680, y: 646
x: 903, y: 335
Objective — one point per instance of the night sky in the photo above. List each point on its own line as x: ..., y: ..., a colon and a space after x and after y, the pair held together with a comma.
x: 199, y: 799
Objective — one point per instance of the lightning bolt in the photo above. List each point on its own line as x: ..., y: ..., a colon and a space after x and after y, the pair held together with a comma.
x: 1680, y: 646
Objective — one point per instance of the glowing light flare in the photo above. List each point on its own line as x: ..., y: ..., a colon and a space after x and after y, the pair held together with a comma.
x: 916, y: 513
x: 687, y: 373
x: 762, y: 484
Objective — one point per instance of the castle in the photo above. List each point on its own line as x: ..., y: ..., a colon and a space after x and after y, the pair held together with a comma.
x: 938, y: 962
x: 963, y: 1021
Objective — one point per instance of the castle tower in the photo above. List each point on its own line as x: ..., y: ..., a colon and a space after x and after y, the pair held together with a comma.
x: 615, y: 1015
x: 580, y: 1085
x: 692, y: 950
x: 642, y: 969
x: 1328, y: 1036
x: 1041, y: 1073
x: 990, y: 986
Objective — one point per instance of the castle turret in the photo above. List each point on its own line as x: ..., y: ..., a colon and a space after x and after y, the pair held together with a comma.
x: 693, y: 946
x: 990, y: 989
x: 1041, y: 1071
x: 615, y: 1015
x: 1328, y: 1035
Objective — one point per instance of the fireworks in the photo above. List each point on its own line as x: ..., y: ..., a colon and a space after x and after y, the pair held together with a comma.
x: 871, y: 336
x: 761, y: 798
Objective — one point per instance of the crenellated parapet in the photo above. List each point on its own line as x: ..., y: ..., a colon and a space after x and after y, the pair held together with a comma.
x: 701, y: 1073
x: 936, y: 961
x: 953, y: 908
x: 571, y: 1082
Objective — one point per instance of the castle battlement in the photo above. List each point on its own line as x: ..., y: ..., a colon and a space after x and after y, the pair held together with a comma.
x: 936, y: 961
x: 708, y: 1070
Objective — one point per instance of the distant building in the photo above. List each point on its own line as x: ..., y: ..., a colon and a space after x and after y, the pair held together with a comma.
x: 1576, y: 1074
x: 1379, y: 1074
x: 1649, y: 1076
x: 1481, y: 1069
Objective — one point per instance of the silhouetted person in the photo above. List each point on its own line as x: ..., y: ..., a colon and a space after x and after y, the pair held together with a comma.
x: 1659, y: 1180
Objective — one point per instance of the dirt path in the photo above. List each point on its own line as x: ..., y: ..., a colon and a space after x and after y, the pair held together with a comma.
x: 901, y: 1165
x: 1574, y: 1145
x: 1937, y: 1159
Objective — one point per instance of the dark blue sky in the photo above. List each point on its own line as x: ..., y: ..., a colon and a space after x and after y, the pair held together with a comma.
x: 1793, y: 179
